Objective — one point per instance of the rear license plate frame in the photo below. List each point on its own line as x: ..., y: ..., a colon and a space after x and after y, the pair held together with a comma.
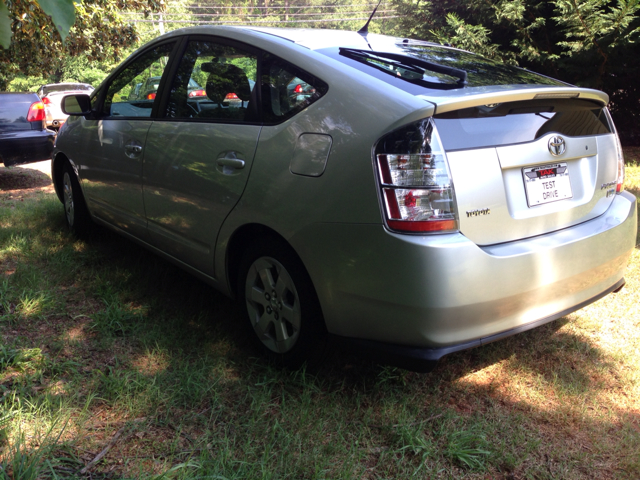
x: 548, y: 183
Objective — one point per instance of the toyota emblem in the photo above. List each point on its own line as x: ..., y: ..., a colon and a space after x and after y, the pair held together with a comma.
x: 557, y: 146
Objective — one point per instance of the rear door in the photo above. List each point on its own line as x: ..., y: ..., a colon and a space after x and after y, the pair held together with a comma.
x: 198, y: 156
x: 525, y: 168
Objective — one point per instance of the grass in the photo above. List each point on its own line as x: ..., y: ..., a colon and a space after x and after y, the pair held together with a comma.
x: 106, y: 348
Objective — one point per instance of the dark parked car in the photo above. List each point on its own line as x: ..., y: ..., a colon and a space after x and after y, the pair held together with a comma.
x: 24, y: 137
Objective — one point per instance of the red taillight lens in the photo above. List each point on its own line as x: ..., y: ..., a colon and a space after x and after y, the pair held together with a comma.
x: 36, y: 112
x: 417, y: 189
x: 151, y: 96
x: 198, y: 93
x: 231, y: 96
x: 46, y: 101
x: 620, y: 159
x: 620, y: 179
x: 298, y: 89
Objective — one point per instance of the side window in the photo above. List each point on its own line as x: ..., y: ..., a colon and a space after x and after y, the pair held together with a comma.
x: 286, y: 90
x: 214, y: 81
x: 133, y: 91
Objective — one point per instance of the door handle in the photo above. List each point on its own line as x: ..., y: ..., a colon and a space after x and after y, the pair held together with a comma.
x: 230, y: 160
x: 132, y: 150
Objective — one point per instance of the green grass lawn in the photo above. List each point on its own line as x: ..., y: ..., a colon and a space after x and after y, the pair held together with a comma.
x: 105, y: 348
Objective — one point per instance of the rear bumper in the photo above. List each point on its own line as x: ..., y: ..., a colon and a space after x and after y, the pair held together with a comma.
x: 425, y: 359
x: 54, y: 116
x: 443, y: 293
x: 26, y: 146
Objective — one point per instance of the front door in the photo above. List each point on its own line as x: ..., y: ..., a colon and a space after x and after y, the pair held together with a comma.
x: 112, y: 162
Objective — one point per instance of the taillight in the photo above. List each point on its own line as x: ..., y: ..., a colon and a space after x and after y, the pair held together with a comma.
x: 46, y: 101
x: 231, y: 96
x: 36, y: 112
x: 197, y: 93
x: 298, y: 89
x: 620, y: 159
x: 415, y: 181
x: 151, y: 96
x: 620, y: 179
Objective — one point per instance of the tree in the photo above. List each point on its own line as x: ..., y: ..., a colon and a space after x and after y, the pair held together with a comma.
x: 329, y: 14
x: 590, y: 43
x: 44, y: 32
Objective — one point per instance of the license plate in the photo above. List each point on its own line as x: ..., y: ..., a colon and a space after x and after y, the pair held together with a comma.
x: 547, y: 183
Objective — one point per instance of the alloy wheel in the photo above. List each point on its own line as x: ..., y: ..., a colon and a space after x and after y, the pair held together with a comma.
x: 273, y: 304
x: 67, y: 188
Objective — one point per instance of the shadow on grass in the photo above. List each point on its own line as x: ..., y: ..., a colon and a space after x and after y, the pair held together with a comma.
x: 189, y: 319
x: 130, y: 336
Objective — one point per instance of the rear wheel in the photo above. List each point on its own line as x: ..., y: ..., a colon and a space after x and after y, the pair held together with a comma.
x: 281, y: 305
x: 75, y: 208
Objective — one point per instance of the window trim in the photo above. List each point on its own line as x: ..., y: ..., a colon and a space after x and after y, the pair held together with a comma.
x: 156, y: 104
x: 166, y: 92
x: 295, y: 70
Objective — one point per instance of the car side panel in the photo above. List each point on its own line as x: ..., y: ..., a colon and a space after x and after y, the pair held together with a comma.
x: 109, y: 168
x: 347, y: 189
x: 187, y: 193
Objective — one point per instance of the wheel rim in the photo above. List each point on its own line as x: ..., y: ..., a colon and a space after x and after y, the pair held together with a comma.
x: 273, y: 304
x: 68, y: 198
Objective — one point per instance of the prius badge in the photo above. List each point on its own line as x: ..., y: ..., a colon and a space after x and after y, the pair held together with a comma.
x: 557, y: 145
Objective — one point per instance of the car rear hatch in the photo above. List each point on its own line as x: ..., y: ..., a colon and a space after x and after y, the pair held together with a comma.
x: 528, y: 162
x: 526, y: 154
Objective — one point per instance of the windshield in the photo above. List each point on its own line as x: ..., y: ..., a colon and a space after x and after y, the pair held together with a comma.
x: 520, y: 122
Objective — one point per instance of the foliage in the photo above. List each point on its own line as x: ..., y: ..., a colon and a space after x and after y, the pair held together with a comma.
x: 590, y: 43
x: 72, y: 70
x: 337, y: 14
x: 37, y: 47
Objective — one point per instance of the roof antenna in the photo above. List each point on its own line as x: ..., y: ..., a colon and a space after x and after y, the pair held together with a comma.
x: 364, y: 30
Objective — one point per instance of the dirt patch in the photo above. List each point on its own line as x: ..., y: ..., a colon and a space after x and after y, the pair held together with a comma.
x: 25, y: 181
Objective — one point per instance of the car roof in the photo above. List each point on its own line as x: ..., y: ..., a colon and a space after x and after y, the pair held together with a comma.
x: 311, y: 38
x: 66, y: 84
x: 315, y: 39
x: 66, y: 92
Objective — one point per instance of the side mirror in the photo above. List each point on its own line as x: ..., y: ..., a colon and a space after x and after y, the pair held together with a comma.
x: 79, y: 104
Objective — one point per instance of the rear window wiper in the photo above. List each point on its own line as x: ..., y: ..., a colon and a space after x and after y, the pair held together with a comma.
x: 412, y: 64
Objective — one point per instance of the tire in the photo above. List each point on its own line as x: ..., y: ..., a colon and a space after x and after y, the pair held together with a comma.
x: 76, y: 212
x: 278, y: 300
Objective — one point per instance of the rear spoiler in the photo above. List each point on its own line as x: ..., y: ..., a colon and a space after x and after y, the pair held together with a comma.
x: 473, y: 97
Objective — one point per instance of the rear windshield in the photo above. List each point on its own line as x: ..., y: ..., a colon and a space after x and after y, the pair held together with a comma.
x: 519, y: 122
x: 480, y: 71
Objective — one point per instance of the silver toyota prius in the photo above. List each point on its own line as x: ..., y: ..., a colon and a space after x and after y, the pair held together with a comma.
x: 402, y: 197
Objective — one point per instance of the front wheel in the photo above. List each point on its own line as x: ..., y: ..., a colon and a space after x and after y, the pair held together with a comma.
x: 75, y: 208
x: 279, y: 300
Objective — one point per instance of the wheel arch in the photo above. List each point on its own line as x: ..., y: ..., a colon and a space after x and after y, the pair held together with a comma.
x: 242, y: 239
x: 56, y: 172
